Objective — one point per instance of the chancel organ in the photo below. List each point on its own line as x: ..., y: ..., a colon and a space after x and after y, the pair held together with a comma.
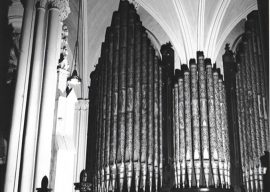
x: 153, y: 128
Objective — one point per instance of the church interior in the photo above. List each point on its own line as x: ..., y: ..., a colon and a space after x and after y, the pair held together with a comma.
x: 134, y: 95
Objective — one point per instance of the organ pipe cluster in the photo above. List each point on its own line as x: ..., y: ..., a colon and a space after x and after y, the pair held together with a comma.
x: 201, y: 145
x: 251, y: 105
x: 126, y: 107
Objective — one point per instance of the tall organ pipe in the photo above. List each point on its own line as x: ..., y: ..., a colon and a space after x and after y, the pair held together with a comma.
x: 109, y: 49
x: 103, y: 116
x: 150, y: 114
x: 203, y: 116
x: 195, y: 120
x: 144, y: 100
x: 123, y: 9
x: 182, y: 135
x: 156, y: 120
x: 188, y: 127
x: 114, y: 107
x: 130, y: 98
x: 218, y: 126
x: 212, y: 121
x: 137, y: 102
x: 176, y: 128
x: 160, y: 141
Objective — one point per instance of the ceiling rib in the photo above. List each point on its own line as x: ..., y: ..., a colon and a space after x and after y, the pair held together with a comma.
x: 200, y: 28
x: 215, y: 26
x: 184, y: 28
x: 230, y: 27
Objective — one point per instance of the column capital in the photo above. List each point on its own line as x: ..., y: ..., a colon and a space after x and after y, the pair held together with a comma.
x: 15, y: 16
x: 82, y: 104
x: 42, y: 3
x: 62, y: 5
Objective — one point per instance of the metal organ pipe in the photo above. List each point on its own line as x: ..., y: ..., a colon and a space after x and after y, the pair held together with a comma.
x: 200, y: 128
x: 188, y: 126
x: 128, y: 108
x: 203, y: 116
x: 137, y: 103
x: 144, y: 103
x: 195, y: 120
x: 212, y: 121
x: 182, y: 135
x: 114, y: 107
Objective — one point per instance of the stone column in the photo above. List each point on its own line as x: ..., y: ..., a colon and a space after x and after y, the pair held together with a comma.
x: 15, y: 140
x: 58, y: 11
x: 34, y: 100
x: 80, y: 127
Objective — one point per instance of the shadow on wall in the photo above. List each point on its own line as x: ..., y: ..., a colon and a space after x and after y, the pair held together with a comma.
x: 8, y: 64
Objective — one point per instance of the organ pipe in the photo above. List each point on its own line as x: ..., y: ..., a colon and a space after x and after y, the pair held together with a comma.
x: 177, y: 134
x: 160, y: 126
x: 137, y: 102
x: 203, y: 116
x: 128, y: 101
x: 212, y: 121
x: 182, y: 136
x: 150, y: 114
x: 218, y: 126
x: 144, y: 110
x: 188, y: 128
x: 114, y: 122
x: 195, y: 120
x: 130, y: 98
x: 156, y: 120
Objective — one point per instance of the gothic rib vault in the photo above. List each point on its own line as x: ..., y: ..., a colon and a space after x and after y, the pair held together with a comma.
x: 190, y: 25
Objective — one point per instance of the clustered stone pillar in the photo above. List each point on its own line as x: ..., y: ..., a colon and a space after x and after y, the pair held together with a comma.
x: 36, y: 92
x: 32, y: 117
x: 57, y: 12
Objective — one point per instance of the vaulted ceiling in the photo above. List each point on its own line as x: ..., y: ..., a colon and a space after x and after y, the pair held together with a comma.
x: 190, y: 25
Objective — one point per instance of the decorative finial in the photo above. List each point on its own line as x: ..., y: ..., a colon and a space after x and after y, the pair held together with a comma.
x: 44, y: 185
x: 227, y: 47
x: 74, y: 78
x: 83, y: 185
x: 135, y: 3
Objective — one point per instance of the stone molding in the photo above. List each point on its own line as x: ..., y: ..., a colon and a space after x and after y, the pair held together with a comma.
x: 42, y: 3
x: 82, y: 104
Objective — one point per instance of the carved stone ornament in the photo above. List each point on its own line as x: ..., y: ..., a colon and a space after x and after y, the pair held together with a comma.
x: 42, y: 3
x: 63, y: 61
x: 135, y: 3
x: 63, y: 6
